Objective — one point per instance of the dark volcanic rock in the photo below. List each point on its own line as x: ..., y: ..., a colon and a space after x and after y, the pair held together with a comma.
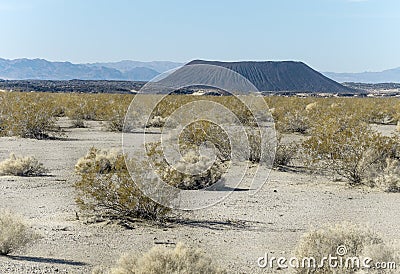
x: 285, y: 76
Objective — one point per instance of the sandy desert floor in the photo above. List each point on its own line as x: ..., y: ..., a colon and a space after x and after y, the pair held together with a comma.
x: 236, y: 232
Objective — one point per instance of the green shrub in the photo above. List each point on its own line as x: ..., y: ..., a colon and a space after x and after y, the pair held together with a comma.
x: 107, y: 190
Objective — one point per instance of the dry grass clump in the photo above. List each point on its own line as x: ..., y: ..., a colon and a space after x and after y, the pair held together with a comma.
x: 22, y: 166
x: 14, y: 233
x: 106, y: 189
x: 160, y: 260
x: 358, y: 242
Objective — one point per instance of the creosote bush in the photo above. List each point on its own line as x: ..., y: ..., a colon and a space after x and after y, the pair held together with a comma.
x: 357, y: 240
x: 100, y: 160
x: 387, y: 179
x: 14, y: 233
x: 28, y: 116
x: 22, y: 166
x: 106, y: 189
x: 285, y: 153
x: 191, y: 172
x: 350, y: 148
x: 160, y: 260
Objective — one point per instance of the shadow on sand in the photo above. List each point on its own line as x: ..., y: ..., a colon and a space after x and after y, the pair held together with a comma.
x: 46, y: 260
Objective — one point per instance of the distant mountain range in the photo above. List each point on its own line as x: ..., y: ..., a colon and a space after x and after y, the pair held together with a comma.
x: 386, y: 76
x: 40, y: 69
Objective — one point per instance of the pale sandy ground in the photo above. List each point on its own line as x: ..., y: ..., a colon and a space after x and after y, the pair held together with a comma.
x: 235, y: 232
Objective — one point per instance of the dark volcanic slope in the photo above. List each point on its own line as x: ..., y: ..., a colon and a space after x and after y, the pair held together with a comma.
x: 285, y: 76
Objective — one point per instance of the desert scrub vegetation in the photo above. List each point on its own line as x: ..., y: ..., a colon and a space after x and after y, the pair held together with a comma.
x: 105, y: 188
x: 196, y: 171
x: 347, y: 239
x: 171, y: 103
x: 14, y: 233
x: 109, y: 108
x: 28, y: 115
x: 22, y: 166
x: 285, y: 153
x: 192, y: 172
x: 34, y: 115
x: 388, y: 177
x: 296, y: 114
x: 350, y: 148
x: 159, y: 260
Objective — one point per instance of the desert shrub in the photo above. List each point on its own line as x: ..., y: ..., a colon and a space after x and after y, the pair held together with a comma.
x: 171, y: 103
x: 107, y: 190
x: 291, y: 114
x: 101, y: 107
x: 116, y: 119
x: 84, y: 110
x: 285, y: 153
x: 357, y: 240
x: 191, y: 172
x: 78, y: 123
x: 14, y: 233
x: 388, y: 179
x: 160, y: 260
x: 349, y: 147
x: 376, y: 110
x: 294, y: 114
x: 22, y: 166
x: 311, y: 106
x: 156, y: 121
x: 29, y: 116
x: 101, y: 160
x: 294, y: 122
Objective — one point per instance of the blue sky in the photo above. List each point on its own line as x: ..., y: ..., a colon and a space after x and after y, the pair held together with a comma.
x: 329, y: 35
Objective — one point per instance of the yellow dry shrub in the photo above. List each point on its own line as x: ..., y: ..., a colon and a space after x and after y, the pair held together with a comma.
x: 14, y: 233
x: 160, y: 260
x: 22, y: 166
x: 344, y: 240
